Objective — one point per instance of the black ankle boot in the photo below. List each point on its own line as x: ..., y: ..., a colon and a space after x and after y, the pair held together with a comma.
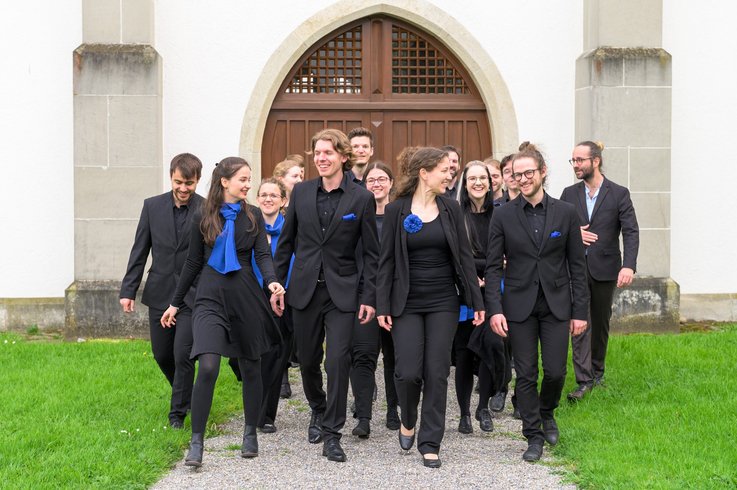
x: 249, y: 449
x: 196, y: 446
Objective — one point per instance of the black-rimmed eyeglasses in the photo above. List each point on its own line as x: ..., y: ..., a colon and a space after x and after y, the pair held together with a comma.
x: 578, y: 161
x: 527, y: 173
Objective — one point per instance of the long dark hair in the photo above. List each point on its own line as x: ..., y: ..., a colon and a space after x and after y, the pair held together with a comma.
x: 467, y: 207
x: 411, y: 161
x: 212, y: 222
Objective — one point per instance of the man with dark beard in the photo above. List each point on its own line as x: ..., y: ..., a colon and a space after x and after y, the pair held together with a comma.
x: 454, y: 156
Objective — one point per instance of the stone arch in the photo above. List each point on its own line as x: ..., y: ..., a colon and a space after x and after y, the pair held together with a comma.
x: 482, y: 69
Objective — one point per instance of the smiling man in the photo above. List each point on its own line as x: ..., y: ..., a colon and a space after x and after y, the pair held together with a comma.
x: 163, y: 230
x: 605, y: 211
x: 545, y: 295
x: 326, y: 218
x: 362, y: 147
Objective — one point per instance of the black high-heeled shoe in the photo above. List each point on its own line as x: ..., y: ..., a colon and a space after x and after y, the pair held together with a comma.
x: 406, y: 442
x: 249, y: 449
x: 196, y: 447
x: 431, y: 463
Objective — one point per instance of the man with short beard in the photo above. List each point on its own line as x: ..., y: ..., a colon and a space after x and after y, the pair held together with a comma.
x: 454, y: 157
x: 362, y: 146
x: 605, y: 210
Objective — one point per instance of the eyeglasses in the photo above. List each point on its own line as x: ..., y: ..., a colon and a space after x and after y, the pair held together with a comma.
x: 377, y: 180
x: 527, y: 173
x: 474, y: 179
x: 578, y: 161
x: 273, y: 197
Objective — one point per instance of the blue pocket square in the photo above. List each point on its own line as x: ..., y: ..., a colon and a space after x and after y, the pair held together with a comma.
x: 555, y: 234
x: 349, y: 217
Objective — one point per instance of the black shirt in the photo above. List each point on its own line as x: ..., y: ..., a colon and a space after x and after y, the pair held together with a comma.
x: 180, y: 217
x: 536, y: 218
x: 451, y: 193
x: 327, y: 203
x: 356, y: 180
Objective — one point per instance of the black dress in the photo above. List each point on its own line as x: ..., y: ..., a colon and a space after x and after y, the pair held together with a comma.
x: 231, y: 314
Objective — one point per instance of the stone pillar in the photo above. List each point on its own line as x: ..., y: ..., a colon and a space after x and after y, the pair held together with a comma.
x: 117, y: 157
x: 623, y: 99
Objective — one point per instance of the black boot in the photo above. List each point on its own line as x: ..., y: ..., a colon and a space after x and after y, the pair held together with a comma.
x: 196, y: 446
x: 249, y: 449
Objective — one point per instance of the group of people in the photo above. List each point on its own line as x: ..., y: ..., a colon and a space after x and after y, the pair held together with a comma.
x: 441, y: 267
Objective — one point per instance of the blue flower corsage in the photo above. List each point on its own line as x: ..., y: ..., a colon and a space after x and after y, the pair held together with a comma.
x: 412, y: 223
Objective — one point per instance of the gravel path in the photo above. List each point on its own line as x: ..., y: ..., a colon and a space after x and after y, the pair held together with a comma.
x: 287, y: 460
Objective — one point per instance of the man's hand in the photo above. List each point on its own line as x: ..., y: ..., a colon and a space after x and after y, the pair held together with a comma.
x: 366, y: 314
x: 578, y: 327
x: 129, y: 305
x: 385, y: 322
x: 499, y: 324
x: 587, y: 236
x: 277, y: 304
x: 624, y: 279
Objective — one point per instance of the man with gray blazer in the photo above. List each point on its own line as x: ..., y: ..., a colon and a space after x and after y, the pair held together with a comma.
x: 163, y: 230
x: 605, y: 211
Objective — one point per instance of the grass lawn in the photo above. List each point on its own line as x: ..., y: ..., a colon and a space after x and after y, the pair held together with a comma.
x: 90, y: 414
x: 666, y: 419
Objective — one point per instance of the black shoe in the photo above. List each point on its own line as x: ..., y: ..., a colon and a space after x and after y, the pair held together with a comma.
x: 498, y: 401
x: 196, y: 447
x: 406, y: 442
x: 515, y: 414
x: 268, y: 428
x: 599, y: 381
x: 464, y: 426
x: 534, y: 452
x: 331, y: 448
x: 392, y: 419
x: 176, y: 423
x: 579, y: 393
x: 431, y: 463
x: 286, y: 391
x: 550, y: 429
x: 314, y: 431
x: 363, y: 429
x: 484, y: 418
x: 249, y: 449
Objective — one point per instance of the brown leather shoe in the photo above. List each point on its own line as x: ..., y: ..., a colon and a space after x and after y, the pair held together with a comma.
x: 579, y: 393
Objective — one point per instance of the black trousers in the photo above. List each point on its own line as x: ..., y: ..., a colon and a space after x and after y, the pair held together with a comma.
x: 422, y: 347
x: 589, y: 348
x: 171, y: 348
x: 387, y: 349
x: 466, y: 364
x: 552, y: 335
x: 273, y: 365
x: 364, y: 357
x: 322, y: 321
x: 204, y: 388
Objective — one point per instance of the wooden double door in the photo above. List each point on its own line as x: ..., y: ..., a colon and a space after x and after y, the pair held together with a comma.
x: 384, y: 75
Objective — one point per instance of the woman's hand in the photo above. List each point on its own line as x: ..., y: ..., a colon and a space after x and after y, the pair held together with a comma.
x: 478, y: 318
x: 168, y: 318
x: 385, y: 322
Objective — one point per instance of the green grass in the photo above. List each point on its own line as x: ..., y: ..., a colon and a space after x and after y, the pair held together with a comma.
x: 90, y: 414
x: 666, y: 419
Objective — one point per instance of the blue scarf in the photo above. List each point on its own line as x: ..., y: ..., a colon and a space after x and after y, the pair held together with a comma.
x: 224, y: 257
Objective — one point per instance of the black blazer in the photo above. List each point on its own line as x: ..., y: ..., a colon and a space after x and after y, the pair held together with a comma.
x: 613, y: 213
x: 354, y: 220
x: 392, y: 287
x: 155, y: 233
x: 561, y: 251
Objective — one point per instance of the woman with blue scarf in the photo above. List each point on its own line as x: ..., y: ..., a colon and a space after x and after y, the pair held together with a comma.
x: 272, y: 196
x: 231, y: 317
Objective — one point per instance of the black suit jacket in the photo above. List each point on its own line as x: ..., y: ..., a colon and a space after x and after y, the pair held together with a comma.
x: 156, y: 233
x: 558, y: 265
x: 613, y: 213
x: 335, y: 251
x: 392, y: 287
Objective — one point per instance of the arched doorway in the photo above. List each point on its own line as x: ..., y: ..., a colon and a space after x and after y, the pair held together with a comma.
x: 383, y: 74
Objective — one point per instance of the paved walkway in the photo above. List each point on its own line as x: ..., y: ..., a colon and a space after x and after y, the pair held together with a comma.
x: 287, y: 460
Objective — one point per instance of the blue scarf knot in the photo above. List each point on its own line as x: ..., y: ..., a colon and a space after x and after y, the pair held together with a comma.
x: 224, y: 257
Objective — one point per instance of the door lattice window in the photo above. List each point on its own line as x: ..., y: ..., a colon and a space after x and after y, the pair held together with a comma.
x: 333, y: 68
x: 418, y: 67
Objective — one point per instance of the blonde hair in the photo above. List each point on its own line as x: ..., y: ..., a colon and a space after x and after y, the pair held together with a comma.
x: 281, y: 168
